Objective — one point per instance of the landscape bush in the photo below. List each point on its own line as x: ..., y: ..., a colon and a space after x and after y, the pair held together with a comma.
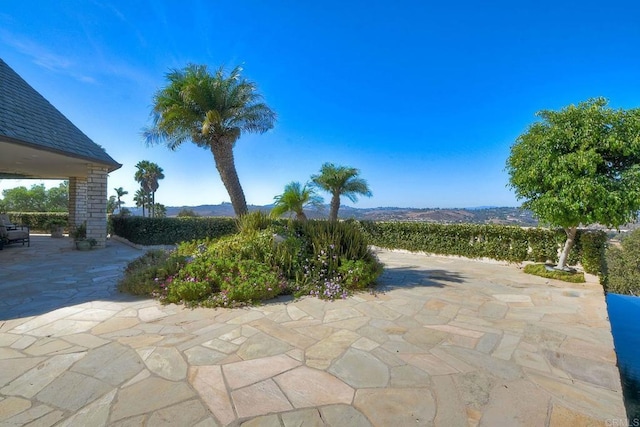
x: 541, y: 270
x: 325, y: 259
x: 504, y: 243
x: 146, y: 275
x: 37, y: 221
x: 623, y: 266
x: 170, y: 231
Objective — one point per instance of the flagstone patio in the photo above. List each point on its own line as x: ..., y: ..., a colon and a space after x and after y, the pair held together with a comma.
x: 442, y: 342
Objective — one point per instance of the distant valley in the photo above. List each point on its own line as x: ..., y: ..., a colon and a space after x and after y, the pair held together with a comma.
x: 482, y: 215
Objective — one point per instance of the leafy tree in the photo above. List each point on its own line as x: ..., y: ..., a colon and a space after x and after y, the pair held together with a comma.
x: 294, y: 199
x: 212, y: 111
x: 340, y: 181
x: 579, y: 165
x: 120, y: 192
x: 37, y: 198
x: 185, y: 212
x: 57, y: 198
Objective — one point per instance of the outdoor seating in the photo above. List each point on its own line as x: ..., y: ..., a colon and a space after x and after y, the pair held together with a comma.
x: 4, y: 220
x: 18, y: 235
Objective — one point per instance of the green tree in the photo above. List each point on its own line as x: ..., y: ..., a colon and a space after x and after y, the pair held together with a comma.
x: 186, y: 212
x: 120, y: 192
x: 294, y: 199
x: 340, y: 181
x: 57, y: 198
x: 212, y: 111
x: 37, y: 198
x: 21, y: 199
x: 579, y: 165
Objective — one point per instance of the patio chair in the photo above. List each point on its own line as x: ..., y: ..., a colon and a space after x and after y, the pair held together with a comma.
x: 4, y: 220
x: 20, y: 234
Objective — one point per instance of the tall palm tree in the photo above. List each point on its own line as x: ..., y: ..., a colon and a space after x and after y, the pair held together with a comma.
x: 154, y: 174
x: 140, y: 175
x: 294, y: 199
x: 212, y: 111
x: 148, y: 175
x: 340, y: 181
x: 119, y: 193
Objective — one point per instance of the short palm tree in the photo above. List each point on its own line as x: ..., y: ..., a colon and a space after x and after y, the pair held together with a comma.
x: 294, y: 199
x: 111, y: 205
x: 142, y: 199
x: 212, y: 111
x: 340, y: 181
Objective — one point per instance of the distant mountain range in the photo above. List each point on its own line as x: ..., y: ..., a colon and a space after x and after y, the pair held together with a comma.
x: 476, y: 215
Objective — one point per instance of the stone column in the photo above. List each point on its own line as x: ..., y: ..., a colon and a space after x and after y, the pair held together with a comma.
x: 77, y: 202
x: 97, y: 204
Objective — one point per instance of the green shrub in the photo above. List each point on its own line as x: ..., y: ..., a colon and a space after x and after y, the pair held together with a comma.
x: 328, y: 260
x: 505, y: 243
x: 253, y: 221
x: 623, y: 265
x: 38, y: 221
x: 148, y: 274
x: 170, y: 231
x: 541, y: 270
x: 593, y: 245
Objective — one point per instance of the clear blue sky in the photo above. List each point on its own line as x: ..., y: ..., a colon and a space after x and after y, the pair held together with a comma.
x: 425, y: 98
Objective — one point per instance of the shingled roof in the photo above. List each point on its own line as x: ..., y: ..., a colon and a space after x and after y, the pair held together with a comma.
x: 27, y: 118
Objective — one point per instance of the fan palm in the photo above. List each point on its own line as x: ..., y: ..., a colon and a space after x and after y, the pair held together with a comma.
x: 148, y: 175
x: 212, y: 111
x: 340, y: 181
x: 142, y: 199
x: 294, y: 199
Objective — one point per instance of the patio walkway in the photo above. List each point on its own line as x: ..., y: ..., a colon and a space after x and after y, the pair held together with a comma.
x: 443, y: 342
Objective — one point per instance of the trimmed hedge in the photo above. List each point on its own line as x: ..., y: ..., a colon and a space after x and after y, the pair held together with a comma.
x: 169, y: 231
x: 37, y: 221
x: 505, y: 243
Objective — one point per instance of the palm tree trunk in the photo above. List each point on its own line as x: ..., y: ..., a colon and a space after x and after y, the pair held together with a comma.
x: 571, y: 237
x: 335, y: 205
x: 223, y: 156
x: 301, y: 216
x: 153, y: 204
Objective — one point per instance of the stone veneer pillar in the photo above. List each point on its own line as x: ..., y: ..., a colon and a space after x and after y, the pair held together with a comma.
x: 88, y: 203
x: 97, y: 204
x: 77, y: 202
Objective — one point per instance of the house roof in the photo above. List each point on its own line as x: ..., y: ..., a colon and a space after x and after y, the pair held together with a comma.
x: 29, y: 122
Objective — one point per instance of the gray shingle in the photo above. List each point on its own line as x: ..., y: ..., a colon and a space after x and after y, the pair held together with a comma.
x: 27, y: 117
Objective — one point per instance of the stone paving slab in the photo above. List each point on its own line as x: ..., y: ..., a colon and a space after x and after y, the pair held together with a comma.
x: 442, y: 342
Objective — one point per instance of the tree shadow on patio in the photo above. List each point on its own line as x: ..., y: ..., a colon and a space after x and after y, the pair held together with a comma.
x: 411, y: 277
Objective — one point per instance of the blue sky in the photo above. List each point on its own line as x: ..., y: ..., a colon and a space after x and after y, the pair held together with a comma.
x: 425, y: 98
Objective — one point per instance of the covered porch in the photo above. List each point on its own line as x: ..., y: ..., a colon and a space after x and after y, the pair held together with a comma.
x: 38, y: 142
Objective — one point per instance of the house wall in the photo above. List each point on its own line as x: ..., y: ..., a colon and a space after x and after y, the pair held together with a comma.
x: 88, y: 203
